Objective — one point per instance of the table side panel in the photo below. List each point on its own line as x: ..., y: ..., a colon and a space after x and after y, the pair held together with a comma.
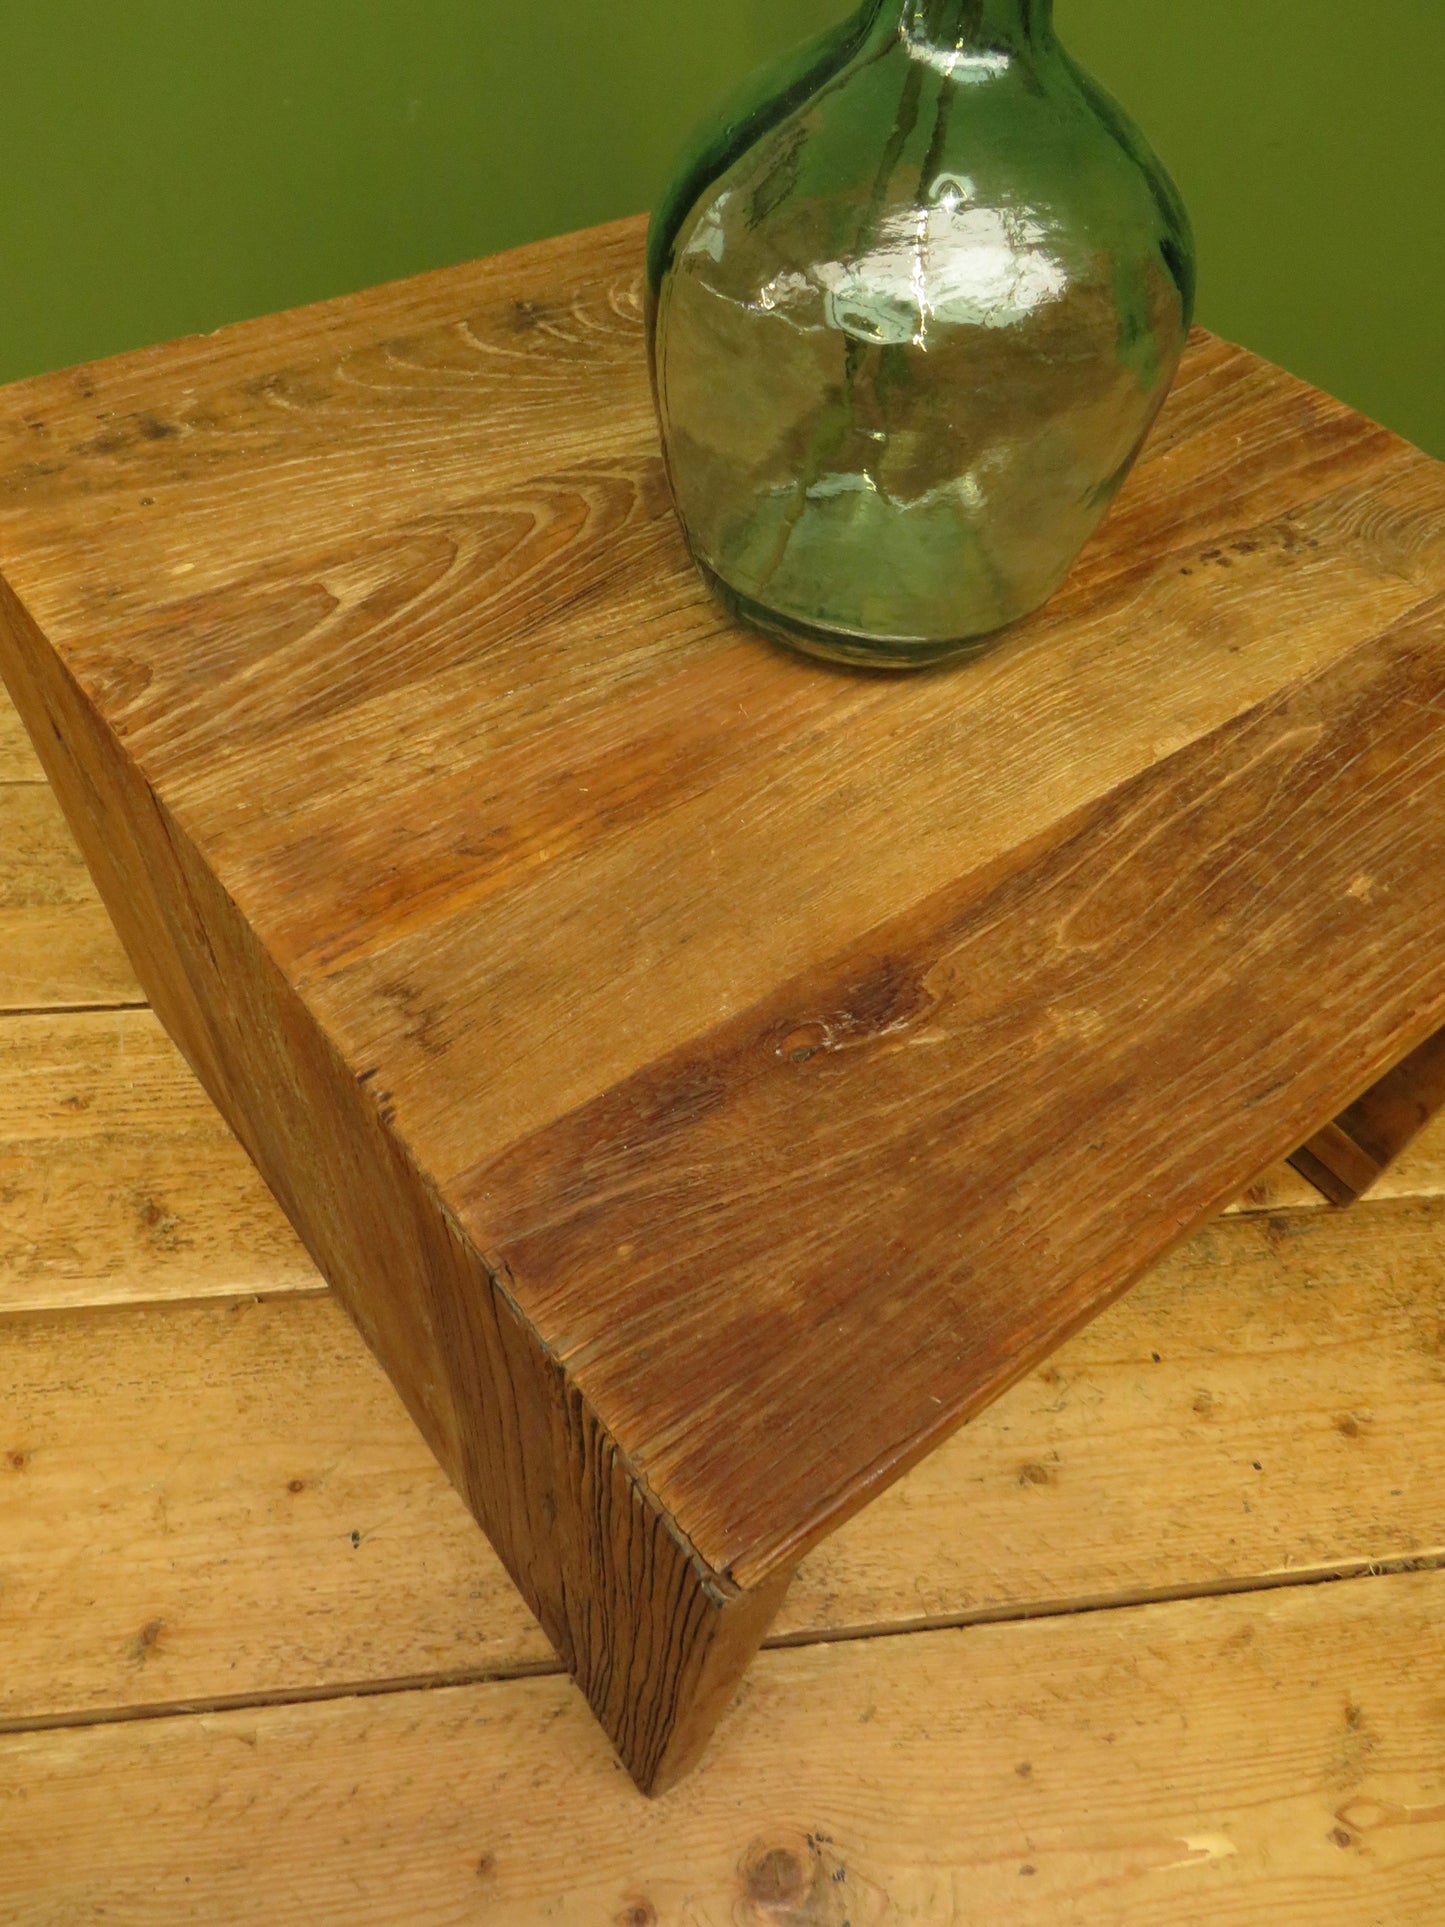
x: 1353, y: 1152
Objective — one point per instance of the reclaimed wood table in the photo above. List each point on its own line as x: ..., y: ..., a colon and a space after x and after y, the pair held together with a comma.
x: 706, y: 1078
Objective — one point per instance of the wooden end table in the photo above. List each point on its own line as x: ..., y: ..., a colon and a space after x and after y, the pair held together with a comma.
x: 709, y: 1078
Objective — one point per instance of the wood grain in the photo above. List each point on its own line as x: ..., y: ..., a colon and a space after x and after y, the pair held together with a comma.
x: 644, y: 816
x: 182, y: 462
x: 57, y: 945
x: 1270, y: 1758
x: 122, y: 1182
x: 957, y: 1051
x: 1267, y: 1406
x: 119, y: 1183
x: 18, y: 761
x: 696, y: 1069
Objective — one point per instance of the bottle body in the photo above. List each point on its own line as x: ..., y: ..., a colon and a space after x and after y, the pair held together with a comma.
x: 912, y: 317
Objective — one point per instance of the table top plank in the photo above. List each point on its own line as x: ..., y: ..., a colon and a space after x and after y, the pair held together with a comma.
x: 690, y: 979
x: 555, y: 980
x: 1269, y: 1405
x: 188, y: 465
x: 1271, y: 1757
x: 124, y: 1185
x: 1243, y: 937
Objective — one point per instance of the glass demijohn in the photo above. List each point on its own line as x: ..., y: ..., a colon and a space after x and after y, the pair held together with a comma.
x: 915, y: 302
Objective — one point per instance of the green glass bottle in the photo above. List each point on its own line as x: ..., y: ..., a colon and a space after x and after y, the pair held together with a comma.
x: 915, y: 303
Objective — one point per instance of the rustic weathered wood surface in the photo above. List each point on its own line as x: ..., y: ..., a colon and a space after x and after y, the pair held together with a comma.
x: 708, y: 1079
x: 207, y: 1505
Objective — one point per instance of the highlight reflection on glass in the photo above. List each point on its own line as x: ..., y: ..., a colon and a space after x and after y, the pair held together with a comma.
x: 915, y: 305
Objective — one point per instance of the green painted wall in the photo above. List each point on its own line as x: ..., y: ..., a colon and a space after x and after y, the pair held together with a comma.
x: 169, y: 165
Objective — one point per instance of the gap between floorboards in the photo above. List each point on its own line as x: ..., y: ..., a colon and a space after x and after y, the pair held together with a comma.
x: 69, y: 1010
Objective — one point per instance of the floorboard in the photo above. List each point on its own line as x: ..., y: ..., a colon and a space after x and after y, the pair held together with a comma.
x: 1278, y: 1758
x: 203, y: 1502
x: 57, y: 946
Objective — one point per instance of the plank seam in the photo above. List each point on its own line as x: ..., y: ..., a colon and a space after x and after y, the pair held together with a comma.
x: 11, y: 1315
x: 1341, y: 1572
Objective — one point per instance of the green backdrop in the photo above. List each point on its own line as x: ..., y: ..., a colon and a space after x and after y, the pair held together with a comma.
x: 169, y: 165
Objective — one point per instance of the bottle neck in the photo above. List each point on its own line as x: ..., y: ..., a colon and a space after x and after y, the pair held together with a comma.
x: 971, y: 26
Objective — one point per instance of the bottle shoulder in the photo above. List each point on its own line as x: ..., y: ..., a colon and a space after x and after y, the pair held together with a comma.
x: 1031, y: 161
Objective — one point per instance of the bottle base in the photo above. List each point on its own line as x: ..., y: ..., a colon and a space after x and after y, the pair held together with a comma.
x: 898, y: 654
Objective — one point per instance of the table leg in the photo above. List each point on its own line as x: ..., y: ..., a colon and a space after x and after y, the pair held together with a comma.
x: 1347, y: 1157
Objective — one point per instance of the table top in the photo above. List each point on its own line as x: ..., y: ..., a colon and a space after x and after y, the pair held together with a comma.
x: 808, y: 1052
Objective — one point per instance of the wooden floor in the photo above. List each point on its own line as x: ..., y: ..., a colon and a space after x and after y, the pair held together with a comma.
x: 1161, y: 1639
